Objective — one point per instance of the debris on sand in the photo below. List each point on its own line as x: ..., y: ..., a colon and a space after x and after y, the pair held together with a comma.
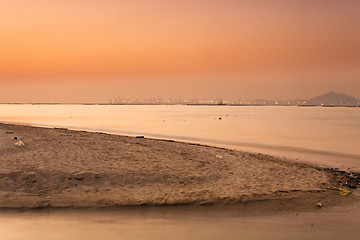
x: 319, y: 205
x: 343, y: 192
x: 19, y: 144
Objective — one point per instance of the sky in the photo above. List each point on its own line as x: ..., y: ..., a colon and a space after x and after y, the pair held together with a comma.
x: 90, y: 50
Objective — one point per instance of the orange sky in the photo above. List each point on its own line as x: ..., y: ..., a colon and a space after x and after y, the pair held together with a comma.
x: 271, y: 49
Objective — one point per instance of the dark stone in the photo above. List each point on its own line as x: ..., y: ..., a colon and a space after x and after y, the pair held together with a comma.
x: 349, y: 185
x: 79, y: 178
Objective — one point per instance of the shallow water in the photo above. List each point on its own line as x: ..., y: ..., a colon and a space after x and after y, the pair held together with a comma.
x: 335, y: 223
x: 324, y: 136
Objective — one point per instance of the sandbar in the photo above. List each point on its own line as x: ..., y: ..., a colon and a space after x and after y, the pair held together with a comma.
x: 61, y: 168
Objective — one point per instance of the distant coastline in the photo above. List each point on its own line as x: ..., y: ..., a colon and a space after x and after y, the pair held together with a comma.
x: 185, y: 104
x: 330, y: 99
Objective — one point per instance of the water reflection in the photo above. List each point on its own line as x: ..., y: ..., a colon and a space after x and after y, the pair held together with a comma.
x: 335, y: 223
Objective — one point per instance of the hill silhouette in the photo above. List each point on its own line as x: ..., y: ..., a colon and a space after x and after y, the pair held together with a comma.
x: 333, y: 98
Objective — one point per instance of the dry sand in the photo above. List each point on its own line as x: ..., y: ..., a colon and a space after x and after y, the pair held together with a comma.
x: 63, y: 168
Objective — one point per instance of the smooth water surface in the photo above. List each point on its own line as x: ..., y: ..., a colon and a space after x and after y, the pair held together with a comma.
x: 340, y: 222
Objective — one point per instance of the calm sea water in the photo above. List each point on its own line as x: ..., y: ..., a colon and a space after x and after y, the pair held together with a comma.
x: 324, y: 136
x: 164, y: 224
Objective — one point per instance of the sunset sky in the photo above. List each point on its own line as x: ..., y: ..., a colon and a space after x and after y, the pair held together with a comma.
x: 89, y: 50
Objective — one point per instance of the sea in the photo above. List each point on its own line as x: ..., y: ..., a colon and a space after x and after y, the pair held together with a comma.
x: 321, y: 136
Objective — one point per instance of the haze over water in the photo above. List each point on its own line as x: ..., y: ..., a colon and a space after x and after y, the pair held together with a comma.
x: 323, y: 136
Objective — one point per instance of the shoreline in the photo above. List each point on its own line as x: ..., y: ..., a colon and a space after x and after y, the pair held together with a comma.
x: 60, y: 169
x: 189, y: 104
x: 277, y: 151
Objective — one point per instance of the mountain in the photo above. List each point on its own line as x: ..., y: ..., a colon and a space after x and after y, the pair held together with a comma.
x: 333, y: 98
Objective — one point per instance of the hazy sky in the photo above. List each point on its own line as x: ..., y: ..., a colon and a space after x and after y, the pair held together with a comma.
x: 89, y: 50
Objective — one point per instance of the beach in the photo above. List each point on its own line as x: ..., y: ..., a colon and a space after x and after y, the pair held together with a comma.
x: 60, y: 168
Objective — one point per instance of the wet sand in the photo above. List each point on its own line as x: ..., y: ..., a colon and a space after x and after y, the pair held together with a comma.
x: 59, y: 168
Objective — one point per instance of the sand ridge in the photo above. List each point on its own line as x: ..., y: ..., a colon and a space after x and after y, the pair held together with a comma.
x: 63, y: 168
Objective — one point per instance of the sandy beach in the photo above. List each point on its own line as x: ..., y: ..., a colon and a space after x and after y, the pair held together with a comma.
x: 62, y: 168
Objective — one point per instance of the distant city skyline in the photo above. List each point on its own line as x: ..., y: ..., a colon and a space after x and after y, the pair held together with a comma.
x: 327, y: 99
